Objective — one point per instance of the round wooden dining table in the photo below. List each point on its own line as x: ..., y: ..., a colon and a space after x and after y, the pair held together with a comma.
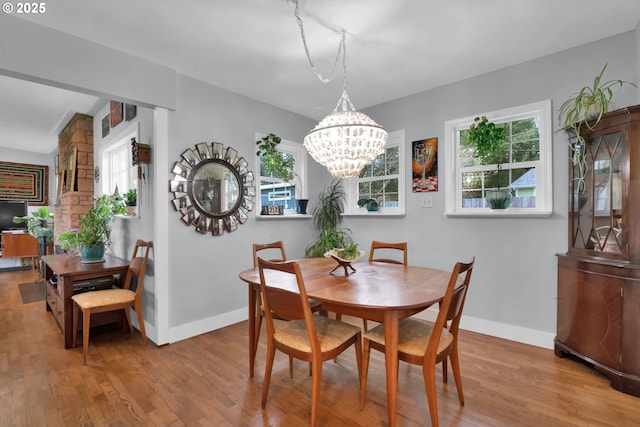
x: 376, y: 291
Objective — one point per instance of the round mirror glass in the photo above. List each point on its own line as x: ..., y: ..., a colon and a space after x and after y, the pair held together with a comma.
x: 215, y: 188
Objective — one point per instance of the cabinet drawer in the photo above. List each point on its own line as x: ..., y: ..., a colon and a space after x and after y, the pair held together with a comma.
x: 55, y: 304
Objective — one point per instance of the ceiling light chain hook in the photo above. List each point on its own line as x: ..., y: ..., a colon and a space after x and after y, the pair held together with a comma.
x: 341, y: 49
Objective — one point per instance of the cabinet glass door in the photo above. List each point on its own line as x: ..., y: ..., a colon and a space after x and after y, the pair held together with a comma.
x: 597, y: 199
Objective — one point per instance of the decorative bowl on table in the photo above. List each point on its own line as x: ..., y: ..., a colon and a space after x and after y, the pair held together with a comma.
x: 339, y: 255
x: 343, y: 261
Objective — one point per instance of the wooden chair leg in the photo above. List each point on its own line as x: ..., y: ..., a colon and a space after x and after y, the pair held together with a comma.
x: 86, y: 322
x: 290, y: 367
x: 364, y: 324
x: 138, y: 308
x: 445, y: 371
x: 316, y: 381
x: 126, y: 325
x: 430, y: 387
x: 366, y: 352
x: 455, y: 367
x: 271, y: 352
x: 76, y: 311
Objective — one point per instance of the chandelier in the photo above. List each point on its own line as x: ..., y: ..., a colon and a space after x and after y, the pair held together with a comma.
x: 346, y: 140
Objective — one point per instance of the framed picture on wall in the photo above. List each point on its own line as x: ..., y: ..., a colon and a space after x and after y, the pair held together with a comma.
x: 115, y: 112
x: 130, y: 111
x: 105, y: 126
x: 424, y: 165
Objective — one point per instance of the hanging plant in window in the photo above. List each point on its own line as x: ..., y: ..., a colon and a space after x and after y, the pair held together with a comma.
x: 489, y: 141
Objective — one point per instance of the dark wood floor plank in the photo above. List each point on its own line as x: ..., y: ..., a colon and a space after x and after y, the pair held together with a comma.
x: 204, y: 381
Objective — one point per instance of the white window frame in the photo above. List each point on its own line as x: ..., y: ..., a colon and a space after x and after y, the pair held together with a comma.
x: 120, y: 143
x: 395, y: 139
x: 299, y: 167
x: 544, y: 169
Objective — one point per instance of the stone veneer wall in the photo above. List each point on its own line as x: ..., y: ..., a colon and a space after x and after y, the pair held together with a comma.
x: 77, y: 199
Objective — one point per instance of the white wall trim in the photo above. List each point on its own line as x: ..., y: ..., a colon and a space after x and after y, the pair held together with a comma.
x: 473, y: 324
x: 189, y: 330
x: 161, y: 222
x: 498, y: 330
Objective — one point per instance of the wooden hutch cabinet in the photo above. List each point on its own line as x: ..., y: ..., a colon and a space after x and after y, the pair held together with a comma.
x: 599, y: 276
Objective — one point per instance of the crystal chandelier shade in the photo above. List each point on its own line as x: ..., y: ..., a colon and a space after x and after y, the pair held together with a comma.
x: 345, y: 141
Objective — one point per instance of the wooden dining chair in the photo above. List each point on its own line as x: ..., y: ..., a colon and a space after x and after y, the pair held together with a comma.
x: 113, y: 299
x: 276, y: 250
x: 383, y: 247
x: 428, y: 343
x: 304, y: 336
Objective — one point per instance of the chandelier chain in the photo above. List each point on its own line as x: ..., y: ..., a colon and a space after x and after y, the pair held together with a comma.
x: 342, y: 48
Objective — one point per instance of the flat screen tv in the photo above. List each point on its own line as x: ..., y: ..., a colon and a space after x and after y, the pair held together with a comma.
x: 9, y: 209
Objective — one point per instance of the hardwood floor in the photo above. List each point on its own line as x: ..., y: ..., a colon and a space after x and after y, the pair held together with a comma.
x: 204, y: 381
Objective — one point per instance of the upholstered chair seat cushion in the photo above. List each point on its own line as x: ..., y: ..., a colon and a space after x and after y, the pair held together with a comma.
x: 413, y: 336
x: 102, y: 298
x: 331, y: 333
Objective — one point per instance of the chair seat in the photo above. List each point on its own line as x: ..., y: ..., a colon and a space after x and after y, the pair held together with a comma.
x: 104, y: 297
x: 331, y: 333
x: 413, y: 336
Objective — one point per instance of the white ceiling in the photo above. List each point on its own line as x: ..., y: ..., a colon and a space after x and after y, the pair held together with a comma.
x: 253, y: 47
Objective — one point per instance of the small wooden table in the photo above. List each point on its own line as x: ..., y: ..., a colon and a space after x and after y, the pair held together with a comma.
x: 377, y: 291
x: 70, y: 270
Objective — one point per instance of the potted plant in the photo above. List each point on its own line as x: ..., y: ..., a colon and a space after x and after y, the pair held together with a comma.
x: 371, y: 204
x: 94, y: 234
x: 131, y: 200
x: 40, y: 226
x: 280, y: 165
x: 489, y: 143
x: 584, y: 110
x: 327, y: 217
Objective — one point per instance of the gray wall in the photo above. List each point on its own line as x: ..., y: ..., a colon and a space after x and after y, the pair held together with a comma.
x: 514, y: 287
x: 514, y: 283
x: 204, y: 269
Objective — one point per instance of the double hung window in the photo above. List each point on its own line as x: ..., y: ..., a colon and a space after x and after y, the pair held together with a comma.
x: 383, y: 180
x: 524, y: 166
x: 117, y: 170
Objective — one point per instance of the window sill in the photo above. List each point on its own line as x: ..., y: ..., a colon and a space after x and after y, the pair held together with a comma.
x: 498, y: 213
x: 377, y: 214
x: 280, y: 217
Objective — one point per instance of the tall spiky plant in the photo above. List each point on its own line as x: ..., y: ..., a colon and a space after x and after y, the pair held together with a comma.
x: 327, y: 217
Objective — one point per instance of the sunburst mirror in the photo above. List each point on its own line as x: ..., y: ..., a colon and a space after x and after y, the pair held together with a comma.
x: 212, y: 188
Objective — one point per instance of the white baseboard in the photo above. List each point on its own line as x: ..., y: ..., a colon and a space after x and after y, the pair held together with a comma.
x: 486, y: 327
x: 182, y: 332
x: 499, y: 330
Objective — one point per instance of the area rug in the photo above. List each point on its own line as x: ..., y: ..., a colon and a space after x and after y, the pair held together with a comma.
x: 31, y: 292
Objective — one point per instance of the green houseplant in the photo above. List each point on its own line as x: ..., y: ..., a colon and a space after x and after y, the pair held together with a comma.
x: 584, y: 110
x: 489, y: 144
x: 371, y: 204
x: 94, y: 234
x: 327, y: 217
x: 281, y: 165
x: 131, y: 201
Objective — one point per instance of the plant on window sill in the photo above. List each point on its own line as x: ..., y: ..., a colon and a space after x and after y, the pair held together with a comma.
x: 371, y: 204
